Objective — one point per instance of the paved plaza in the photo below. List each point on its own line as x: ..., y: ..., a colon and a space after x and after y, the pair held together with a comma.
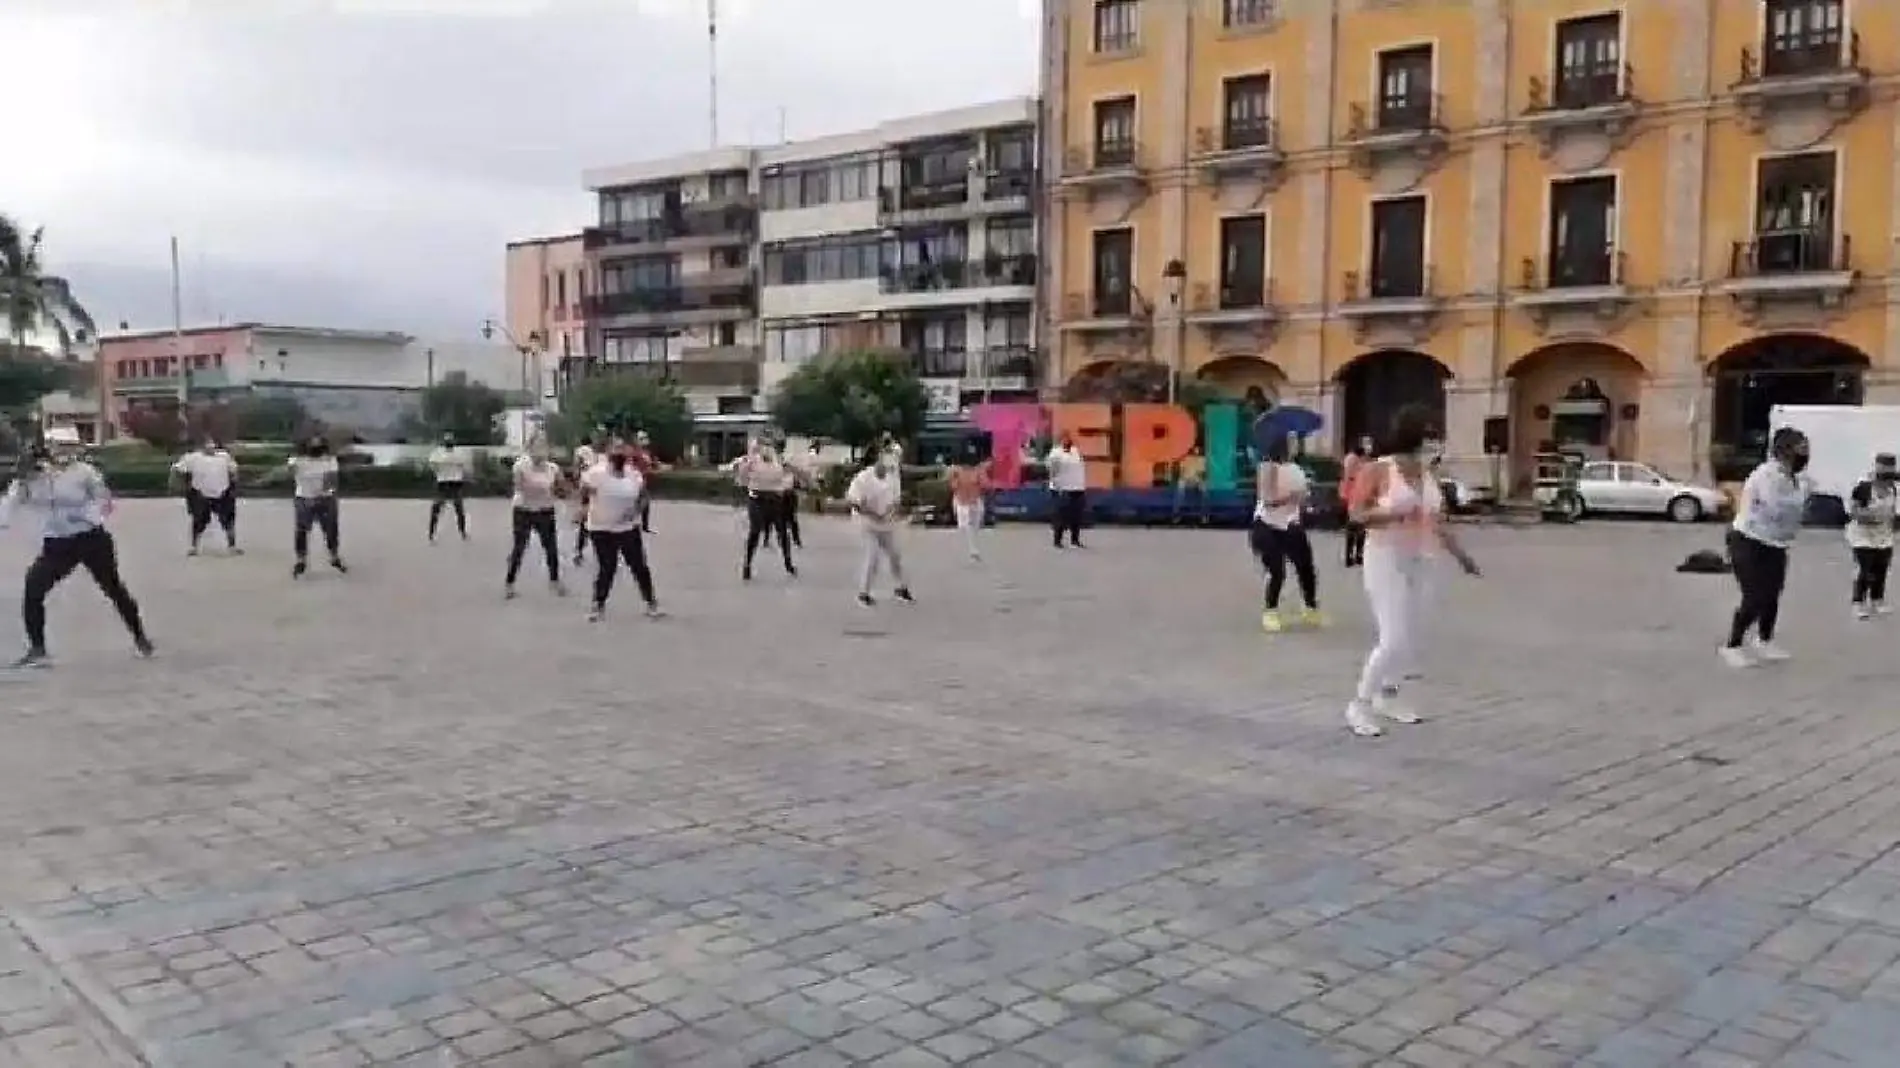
x: 1071, y: 809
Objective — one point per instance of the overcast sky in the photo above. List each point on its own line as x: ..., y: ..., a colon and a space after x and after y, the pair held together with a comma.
x: 363, y: 162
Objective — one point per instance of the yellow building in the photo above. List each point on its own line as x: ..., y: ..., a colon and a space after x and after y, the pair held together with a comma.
x: 1626, y: 227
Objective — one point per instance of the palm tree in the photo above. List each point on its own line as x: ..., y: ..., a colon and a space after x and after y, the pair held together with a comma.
x: 31, y: 300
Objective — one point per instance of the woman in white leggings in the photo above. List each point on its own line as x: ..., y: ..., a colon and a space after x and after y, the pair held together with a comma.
x: 1400, y: 505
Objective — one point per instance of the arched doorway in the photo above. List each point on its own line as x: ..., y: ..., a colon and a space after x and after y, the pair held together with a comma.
x: 1752, y: 378
x: 1573, y: 397
x: 1244, y: 378
x: 1377, y: 384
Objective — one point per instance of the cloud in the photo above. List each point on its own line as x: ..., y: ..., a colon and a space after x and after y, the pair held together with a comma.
x: 387, y: 149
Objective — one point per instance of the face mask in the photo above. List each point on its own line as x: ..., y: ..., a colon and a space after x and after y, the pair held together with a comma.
x: 1430, y: 450
x: 1798, y: 462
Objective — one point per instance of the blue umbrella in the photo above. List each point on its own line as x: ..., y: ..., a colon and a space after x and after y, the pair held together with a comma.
x: 1275, y: 425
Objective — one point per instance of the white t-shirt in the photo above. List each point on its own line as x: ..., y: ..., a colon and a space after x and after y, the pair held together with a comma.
x: 613, y: 501
x: 308, y: 474
x: 1289, y: 482
x: 1068, y: 471
x: 1772, y: 505
x: 534, y: 485
x: 1876, y: 532
x: 875, y: 497
x: 210, y: 473
x: 448, y: 465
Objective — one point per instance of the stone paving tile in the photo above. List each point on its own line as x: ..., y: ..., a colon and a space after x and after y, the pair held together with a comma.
x: 1070, y: 810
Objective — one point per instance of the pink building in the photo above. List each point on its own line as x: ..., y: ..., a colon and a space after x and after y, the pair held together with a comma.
x: 150, y: 368
x: 547, y: 281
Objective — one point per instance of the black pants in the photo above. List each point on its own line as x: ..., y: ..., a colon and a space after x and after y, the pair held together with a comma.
x: 1870, y: 575
x: 93, y: 551
x: 1355, y: 544
x: 1071, y: 507
x: 791, y: 519
x: 540, y: 523
x: 766, y: 513
x: 1761, y: 570
x: 1278, y: 548
x: 319, y: 512
x: 204, y: 509
x: 610, y: 548
x: 646, y: 514
x: 448, y: 493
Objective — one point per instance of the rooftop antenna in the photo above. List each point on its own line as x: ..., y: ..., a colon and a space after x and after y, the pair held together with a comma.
x: 712, y: 66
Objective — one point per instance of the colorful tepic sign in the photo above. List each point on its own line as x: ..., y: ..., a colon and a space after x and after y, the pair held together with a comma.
x: 1130, y: 445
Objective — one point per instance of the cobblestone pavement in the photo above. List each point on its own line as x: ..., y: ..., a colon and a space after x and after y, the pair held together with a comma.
x: 1072, y: 809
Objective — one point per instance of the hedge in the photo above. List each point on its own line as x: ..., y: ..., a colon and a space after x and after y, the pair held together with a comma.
x: 155, y: 480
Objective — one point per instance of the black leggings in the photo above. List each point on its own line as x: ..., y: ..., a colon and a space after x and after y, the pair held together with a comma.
x: 766, y: 513
x: 1071, y: 507
x: 92, y: 550
x: 321, y: 513
x: 1761, y: 570
x: 204, y: 509
x: 448, y: 493
x: 1277, y: 548
x: 1870, y: 574
x: 791, y: 518
x: 1355, y: 544
x: 540, y: 523
x: 611, y: 547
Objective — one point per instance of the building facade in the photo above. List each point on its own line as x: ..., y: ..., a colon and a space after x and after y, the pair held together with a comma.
x: 544, y: 304
x: 368, y: 381
x: 1624, y: 228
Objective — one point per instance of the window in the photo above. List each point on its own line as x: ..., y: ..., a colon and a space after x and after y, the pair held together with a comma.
x: 1115, y: 132
x: 1398, y: 248
x: 638, y: 348
x: 1114, y: 256
x: 1010, y: 237
x: 1589, y: 61
x: 1243, y: 261
x: 809, y: 185
x: 1012, y: 151
x: 942, y: 164
x: 800, y: 342
x: 1117, y: 25
x: 640, y: 275
x: 1582, y: 232
x: 724, y: 186
x: 1598, y: 472
x: 1014, y: 329
x: 933, y: 247
x: 725, y: 335
x: 560, y: 289
x: 622, y: 206
x: 1804, y: 36
x: 1248, y: 121
x: 1406, y: 99
x: 1239, y: 14
x: 546, y: 296
x: 1794, y: 213
x: 833, y: 259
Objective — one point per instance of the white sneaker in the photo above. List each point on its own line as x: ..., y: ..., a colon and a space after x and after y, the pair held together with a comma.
x: 1881, y: 609
x: 1863, y: 611
x: 1736, y: 657
x: 1394, y: 708
x: 1359, y: 720
x: 1769, y: 652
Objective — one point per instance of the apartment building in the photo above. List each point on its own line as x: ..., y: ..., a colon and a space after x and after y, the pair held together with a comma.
x: 1626, y: 228
x: 544, y: 305
x: 918, y: 235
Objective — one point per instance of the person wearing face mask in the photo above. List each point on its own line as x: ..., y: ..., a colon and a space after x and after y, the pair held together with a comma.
x: 538, y: 483
x: 210, y: 475
x: 1768, y: 516
x: 74, y: 502
x: 1354, y: 463
x: 1279, y: 535
x: 765, y: 480
x: 313, y: 476
x: 642, y: 458
x: 586, y: 455
x: 451, y: 474
x: 1399, y: 502
x: 874, y: 497
x: 1069, y: 482
x: 1870, y: 523
x: 611, y: 493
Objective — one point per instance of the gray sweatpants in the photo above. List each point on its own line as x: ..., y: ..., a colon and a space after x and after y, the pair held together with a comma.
x: 879, y: 546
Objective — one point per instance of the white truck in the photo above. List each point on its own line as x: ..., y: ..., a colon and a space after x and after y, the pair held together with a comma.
x: 1842, y: 440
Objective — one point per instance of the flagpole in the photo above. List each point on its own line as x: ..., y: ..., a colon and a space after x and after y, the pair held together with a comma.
x: 178, y: 334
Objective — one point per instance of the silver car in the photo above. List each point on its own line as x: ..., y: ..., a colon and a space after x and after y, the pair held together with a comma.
x: 1638, y: 489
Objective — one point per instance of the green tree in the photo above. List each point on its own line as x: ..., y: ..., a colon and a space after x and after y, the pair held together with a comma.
x: 853, y: 398
x: 33, y: 301
x: 1137, y: 382
x: 623, y: 404
x: 470, y: 411
x: 268, y: 418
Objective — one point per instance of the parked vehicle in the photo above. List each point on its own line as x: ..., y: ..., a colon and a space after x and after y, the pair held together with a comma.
x: 1610, y: 487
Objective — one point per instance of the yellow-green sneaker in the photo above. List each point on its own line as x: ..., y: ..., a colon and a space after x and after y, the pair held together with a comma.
x: 1310, y: 617
x: 1270, y: 621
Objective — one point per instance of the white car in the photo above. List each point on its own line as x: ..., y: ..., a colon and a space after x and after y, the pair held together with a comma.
x: 1616, y: 487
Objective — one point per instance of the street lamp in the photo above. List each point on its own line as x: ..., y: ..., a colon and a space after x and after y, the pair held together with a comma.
x: 530, y: 351
x: 1175, y: 275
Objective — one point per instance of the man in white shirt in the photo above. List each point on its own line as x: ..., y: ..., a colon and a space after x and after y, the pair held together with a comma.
x: 210, y: 475
x: 874, y: 497
x: 313, y: 476
x: 451, y: 474
x: 1069, y: 483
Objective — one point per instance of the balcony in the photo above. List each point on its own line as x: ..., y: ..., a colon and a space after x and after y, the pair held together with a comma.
x: 1237, y: 314
x: 939, y: 362
x: 1790, y: 267
x: 1110, y: 312
x: 1402, y: 134
x: 1110, y: 169
x: 151, y: 386
x: 912, y: 206
x: 1584, y: 115
x: 1806, y: 84
x: 1009, y: 271
x: 676, y: 305
x: 1006, y: 368
x: 728, y: 376
x: 1574, y: 291
x: 718, y: 282
x: 922, y: 285
x: 1241, y: 152
x: 1010, y: 186
x: 720, y: 354
x: 1396, y: 307
x: 704, y: 225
